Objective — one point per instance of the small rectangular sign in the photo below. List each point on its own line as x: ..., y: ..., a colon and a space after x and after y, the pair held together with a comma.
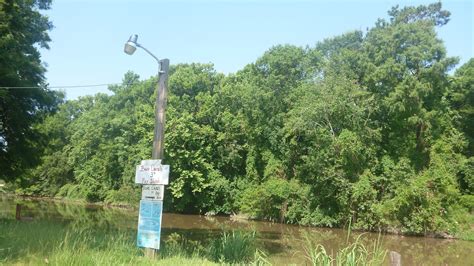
x: 153, y: 192
x: 152, y: 172
x: 149, y: 224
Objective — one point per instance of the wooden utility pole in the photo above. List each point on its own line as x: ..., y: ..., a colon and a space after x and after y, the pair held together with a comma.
x: 160, y: 107
x: 159, y: 133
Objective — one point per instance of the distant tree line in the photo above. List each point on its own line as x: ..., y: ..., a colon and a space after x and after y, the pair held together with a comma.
x: 368, y: 127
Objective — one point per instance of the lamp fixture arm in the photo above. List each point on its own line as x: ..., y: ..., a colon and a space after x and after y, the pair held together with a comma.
x: 150, y: 53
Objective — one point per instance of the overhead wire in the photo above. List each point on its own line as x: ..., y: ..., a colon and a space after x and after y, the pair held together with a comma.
x: 63, y: 87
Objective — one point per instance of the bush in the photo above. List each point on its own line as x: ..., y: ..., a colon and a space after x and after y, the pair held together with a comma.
x: 234, y: 247
x: 125, y: 195
x: 71, y: 191
x: 467, y: 201
x: 265, y: 201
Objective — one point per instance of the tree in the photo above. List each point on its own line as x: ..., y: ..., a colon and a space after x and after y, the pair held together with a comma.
x: 368, y: 128
x: 406, y: 69
x: 22, y: 29
x: 461, y: 97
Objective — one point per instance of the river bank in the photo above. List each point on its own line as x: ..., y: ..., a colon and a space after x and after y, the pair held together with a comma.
x: 283, y: 244
x: 467, y: 235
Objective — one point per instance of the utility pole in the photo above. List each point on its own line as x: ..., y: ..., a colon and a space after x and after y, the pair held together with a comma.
x: 160, y: 107
x: 152, y: 174
x: 159, y: 132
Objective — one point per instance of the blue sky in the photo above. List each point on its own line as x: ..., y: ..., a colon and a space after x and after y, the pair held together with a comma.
x: 88, y: 38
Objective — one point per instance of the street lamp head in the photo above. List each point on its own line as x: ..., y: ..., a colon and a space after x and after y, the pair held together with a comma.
x: 131, y: 45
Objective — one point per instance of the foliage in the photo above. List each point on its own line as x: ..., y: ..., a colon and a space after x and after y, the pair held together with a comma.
x: 23, y: 30
x: 65, y: 246
x: 177, y: 245
x: 356, y: 253
x: 234, y: 247
x: 365, y: 126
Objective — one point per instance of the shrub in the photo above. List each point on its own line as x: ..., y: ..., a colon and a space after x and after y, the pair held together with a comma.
x: 71, y: 191
x: 234, y: 247
x: 124, y: 195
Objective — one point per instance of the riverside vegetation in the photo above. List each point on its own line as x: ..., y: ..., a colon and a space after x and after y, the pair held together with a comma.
x: 61, y: 245
x: 200, y: 238
x: 70, y: 246
x: 368, y: 126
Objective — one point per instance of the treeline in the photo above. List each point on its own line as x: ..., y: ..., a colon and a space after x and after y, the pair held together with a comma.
x: 368, y: 127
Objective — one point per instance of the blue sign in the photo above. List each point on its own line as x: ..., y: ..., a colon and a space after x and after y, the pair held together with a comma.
x: 149, y: 224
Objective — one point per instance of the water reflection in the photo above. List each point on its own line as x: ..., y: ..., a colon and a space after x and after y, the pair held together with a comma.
x: 284, y: 243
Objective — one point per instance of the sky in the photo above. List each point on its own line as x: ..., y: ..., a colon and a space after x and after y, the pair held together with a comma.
x: 88, y: 36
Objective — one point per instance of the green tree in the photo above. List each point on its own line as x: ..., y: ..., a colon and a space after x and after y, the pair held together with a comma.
x: 461, y: 98
x: 406, y: 69
x: 22, y: 30
x: 362, y: 127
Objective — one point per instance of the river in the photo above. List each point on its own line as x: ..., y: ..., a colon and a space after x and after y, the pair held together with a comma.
x: 283, y: 243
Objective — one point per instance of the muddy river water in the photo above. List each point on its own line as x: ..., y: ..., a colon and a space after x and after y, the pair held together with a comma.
x: 283, y: 243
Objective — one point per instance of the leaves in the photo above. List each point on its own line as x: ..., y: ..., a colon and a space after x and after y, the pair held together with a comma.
x: 363, y: 127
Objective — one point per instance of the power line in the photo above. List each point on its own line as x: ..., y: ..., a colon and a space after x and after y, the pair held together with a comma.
x: 65, y: 86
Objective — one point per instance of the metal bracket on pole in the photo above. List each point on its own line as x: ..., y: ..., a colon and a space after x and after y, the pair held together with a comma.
x: 160, y: 70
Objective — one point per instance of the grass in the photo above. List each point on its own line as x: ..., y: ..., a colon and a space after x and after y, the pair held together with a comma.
x: 355, y: 253
x: 234, y: 247
x: 41, y: 242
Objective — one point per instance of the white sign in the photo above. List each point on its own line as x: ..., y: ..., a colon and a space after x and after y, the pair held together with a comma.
x: 153, y: 192
x: 152, y: 172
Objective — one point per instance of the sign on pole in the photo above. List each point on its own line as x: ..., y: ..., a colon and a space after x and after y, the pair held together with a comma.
x: 153, y: 192
x: 152, y: 172
x: 149, y: 224
x: 153, y: 176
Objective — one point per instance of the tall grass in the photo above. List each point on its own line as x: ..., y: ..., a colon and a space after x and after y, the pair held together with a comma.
x: 234, y: 247
x: 356, y: 253
x: 260, y: 258
x: 177, y: 245
x: 42, y: 242
x: 39, y: 243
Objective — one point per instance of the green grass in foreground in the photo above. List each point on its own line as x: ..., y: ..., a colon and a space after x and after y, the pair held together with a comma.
x: 41, y: 243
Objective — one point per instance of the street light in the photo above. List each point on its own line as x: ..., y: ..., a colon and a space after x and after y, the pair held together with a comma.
x: 132, y: 44
x: 163, y: 67
x: 160, y: 106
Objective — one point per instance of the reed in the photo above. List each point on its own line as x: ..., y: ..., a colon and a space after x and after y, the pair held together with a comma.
x: 234, y: 247
x: 355, y: 253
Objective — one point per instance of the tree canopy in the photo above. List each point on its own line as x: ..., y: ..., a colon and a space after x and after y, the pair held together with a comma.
x: 367, y: 127
x: 23, y: 29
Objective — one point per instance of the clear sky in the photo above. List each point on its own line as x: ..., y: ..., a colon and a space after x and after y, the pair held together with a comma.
x: 88, y: 36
